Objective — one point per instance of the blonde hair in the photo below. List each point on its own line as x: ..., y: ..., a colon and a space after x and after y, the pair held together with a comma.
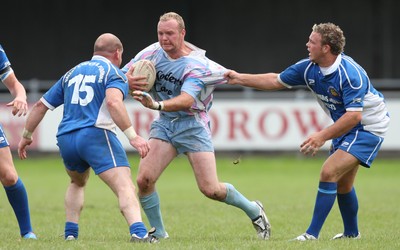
x: 331, y: 35
x: 172, y: 15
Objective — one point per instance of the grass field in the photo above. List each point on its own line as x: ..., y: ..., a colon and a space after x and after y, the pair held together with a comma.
x: 285, y: 184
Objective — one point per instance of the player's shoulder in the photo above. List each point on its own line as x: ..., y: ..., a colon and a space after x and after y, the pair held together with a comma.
x: 350, y: 66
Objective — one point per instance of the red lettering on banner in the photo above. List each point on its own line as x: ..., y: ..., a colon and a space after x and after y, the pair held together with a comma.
x: 264, y: 120
x: 239, y: 125
x: 312, y: 124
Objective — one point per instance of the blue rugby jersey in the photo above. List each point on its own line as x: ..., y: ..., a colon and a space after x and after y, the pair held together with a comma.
x: 344, y: 86
x: 194, y: 74
x: 82, y: 90
x: 5, y: 70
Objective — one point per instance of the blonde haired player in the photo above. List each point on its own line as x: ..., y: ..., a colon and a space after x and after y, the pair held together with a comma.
x: 359, y: 113
x: 183, y: 94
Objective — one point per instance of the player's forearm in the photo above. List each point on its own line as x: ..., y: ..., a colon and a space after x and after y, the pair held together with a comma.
x: 15, y: 87
x: 182, y: 102
x: 342, y: 126
x: 119, y: 114
x: 267, y: 81
x: 35, y: 116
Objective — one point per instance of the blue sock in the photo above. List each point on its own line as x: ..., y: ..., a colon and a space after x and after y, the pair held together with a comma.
x: 71, y: 228
x: 348, y: 205
x: 138, y: 228
x: 324, y: 202
x: 234, y: 198
x: 18, y: 199
x: 151, y: 207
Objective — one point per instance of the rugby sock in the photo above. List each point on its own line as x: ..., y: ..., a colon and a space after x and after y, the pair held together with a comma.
x: 18, y: 199
x: 138, y: 228
x: 348, y: 205
x: 323, y: 204
x: 151, y: 207
x: 71, y: 228
x: 235, y: 198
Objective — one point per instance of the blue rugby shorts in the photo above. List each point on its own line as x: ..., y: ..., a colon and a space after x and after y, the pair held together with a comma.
x: 186, y: 134
x: 3, y: 138
x: 361, y: 144
x: 92, y: 147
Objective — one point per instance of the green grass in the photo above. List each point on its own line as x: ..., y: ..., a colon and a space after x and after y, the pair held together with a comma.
x: 285, y: 184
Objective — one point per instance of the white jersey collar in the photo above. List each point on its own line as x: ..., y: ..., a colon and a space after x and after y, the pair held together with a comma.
x: 329, y: 70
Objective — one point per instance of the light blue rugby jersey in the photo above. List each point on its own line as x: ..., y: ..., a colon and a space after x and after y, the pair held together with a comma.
x: 82, y: 91
x: 342, y: 87
x: 4, y: 63
x: 194, y: 74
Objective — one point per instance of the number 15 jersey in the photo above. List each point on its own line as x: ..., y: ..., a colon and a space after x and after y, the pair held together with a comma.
x: 82, y: 90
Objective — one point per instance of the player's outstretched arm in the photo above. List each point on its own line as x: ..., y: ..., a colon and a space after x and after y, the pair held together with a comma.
x: 267, y: 81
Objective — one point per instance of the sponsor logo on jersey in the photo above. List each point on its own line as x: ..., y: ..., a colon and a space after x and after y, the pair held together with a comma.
x: 345, y: 144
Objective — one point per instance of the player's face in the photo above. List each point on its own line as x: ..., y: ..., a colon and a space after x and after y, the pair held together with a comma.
x: 170, y: 37
x: 314, y: 47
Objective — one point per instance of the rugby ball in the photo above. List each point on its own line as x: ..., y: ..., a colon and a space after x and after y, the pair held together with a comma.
x: 146, y: 68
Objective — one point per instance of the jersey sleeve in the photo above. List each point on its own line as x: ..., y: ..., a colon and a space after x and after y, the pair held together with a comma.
x: 294, y: 74
x: 354, y: 90
x: 118, y: 80
x: 203, y: 76
x: 5, y: 65
x: 54, y: 97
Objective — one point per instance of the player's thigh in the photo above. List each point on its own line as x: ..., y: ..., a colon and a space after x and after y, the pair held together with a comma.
x: 337, y: 165
x: 205, y: 169
x: 118, y: 179
x: 160, y: 155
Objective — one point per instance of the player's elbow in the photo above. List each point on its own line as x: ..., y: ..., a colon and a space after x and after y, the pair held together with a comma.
x: 112, y: 103
x: 355, y: 116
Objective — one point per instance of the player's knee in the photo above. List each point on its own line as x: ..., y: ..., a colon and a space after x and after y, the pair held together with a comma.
x: 328, y: 176
x: 8, y: 178
x: 211, y: 193
x: 78, y: 182
x: 144, y: 182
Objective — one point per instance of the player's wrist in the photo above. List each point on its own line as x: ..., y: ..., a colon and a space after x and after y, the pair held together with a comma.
x: 161, y: 105
x: 158, y: 105
x: 130, y: 133
x: 27, y: 134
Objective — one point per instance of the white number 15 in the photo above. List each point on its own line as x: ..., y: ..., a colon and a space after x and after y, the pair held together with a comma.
x: 80, y: 82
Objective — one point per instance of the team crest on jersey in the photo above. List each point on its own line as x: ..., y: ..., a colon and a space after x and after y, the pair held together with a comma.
x: 333, y: 91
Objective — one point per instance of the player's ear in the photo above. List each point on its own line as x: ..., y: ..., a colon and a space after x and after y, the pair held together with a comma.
x: 118, y: 55
x: 326, y: 48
